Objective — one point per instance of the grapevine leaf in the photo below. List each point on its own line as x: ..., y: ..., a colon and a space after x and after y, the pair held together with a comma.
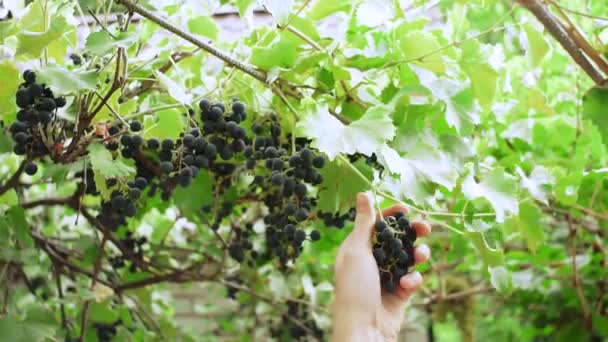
x: 492, y: 257
x: 102, y: 312
x: 418, y: 44
x: 100, y: 43
x: 191, y: 204
x: 170, y: 124
x: 420, y: 165
x: 497, y: 187
x: 9, y: 81
x: 341, y: 185
x: 595, y: 107
x: 204, y: 26
x: 175, y: 90
x: 539, y: 178
x: 529, y: 224
x: 484, y: 78
x: 64, y: 81
x: 33, y: 43
x: 500, y: 278
x: 39, y: 325
x: 19, y: 225
x: 103, y: 163
x: 422, y: 152
x: 536, y: 45
x: 366, y: 135
x: 322, y: 9
x: 282, y: 52
x: 458, y: 114
x: 102, y: 187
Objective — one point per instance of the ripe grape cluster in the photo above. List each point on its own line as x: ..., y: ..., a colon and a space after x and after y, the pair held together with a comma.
x: 394, y: 249
x: 31, y: 131
x: 165, y: 164
x: 282, y: 179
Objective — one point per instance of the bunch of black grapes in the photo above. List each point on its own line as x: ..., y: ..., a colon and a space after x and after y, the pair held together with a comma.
x: 394, y: 249
x: 281, y: 180
x: 37, y: 111
x: 164, y: 165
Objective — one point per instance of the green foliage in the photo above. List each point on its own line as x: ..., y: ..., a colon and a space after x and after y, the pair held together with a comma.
x: 469, y: 112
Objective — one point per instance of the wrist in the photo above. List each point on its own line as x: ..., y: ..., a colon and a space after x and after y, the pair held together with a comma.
x: 351, y: 323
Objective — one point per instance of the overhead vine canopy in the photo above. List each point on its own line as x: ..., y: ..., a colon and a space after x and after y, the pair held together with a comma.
x: 142, y: 154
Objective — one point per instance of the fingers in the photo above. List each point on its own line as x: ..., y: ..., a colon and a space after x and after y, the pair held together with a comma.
x: 422, y: 228
x: 364, y: 221
x: 422, y: 253
x: 409, y: 283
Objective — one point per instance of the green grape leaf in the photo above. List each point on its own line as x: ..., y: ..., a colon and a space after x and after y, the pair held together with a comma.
x: 419, y: 44
x: 462, y: 115
x: 204, y: 26
x: 419, y: 155
x: 101, y: 42
x: 9, y: 82
x: 203, y: 183
x: 497, y: 187
x: 500, y: 278
x: 536, y: 183
x: 63, y: 81
x: 176, y: 90
x: 38, y: 325
x: 341, y: 185
x: 595, y: 107
x: 484, y: 78
x: 528, y: 224
x: 102, y: 187
x: 103, y: 163
x: 537, y: 46
x: 33, y: 43
x: 322, y: 9
x: 282, y: 52
x: 365, y: 135
x: 19, y: 225
x: 492, y: 257
x: 102, y: 312
x: 170, y: 123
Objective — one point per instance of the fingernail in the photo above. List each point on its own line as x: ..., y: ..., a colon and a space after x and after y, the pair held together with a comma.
x: 411, y: 281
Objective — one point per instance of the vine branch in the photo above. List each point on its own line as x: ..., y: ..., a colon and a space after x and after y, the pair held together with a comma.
x: 556, y: 29
x: 136, y: 8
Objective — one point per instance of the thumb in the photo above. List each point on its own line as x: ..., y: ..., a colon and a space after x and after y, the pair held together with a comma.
x: 365, y: 219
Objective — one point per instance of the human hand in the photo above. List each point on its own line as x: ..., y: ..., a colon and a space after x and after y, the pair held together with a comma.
x: 362, y: 311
